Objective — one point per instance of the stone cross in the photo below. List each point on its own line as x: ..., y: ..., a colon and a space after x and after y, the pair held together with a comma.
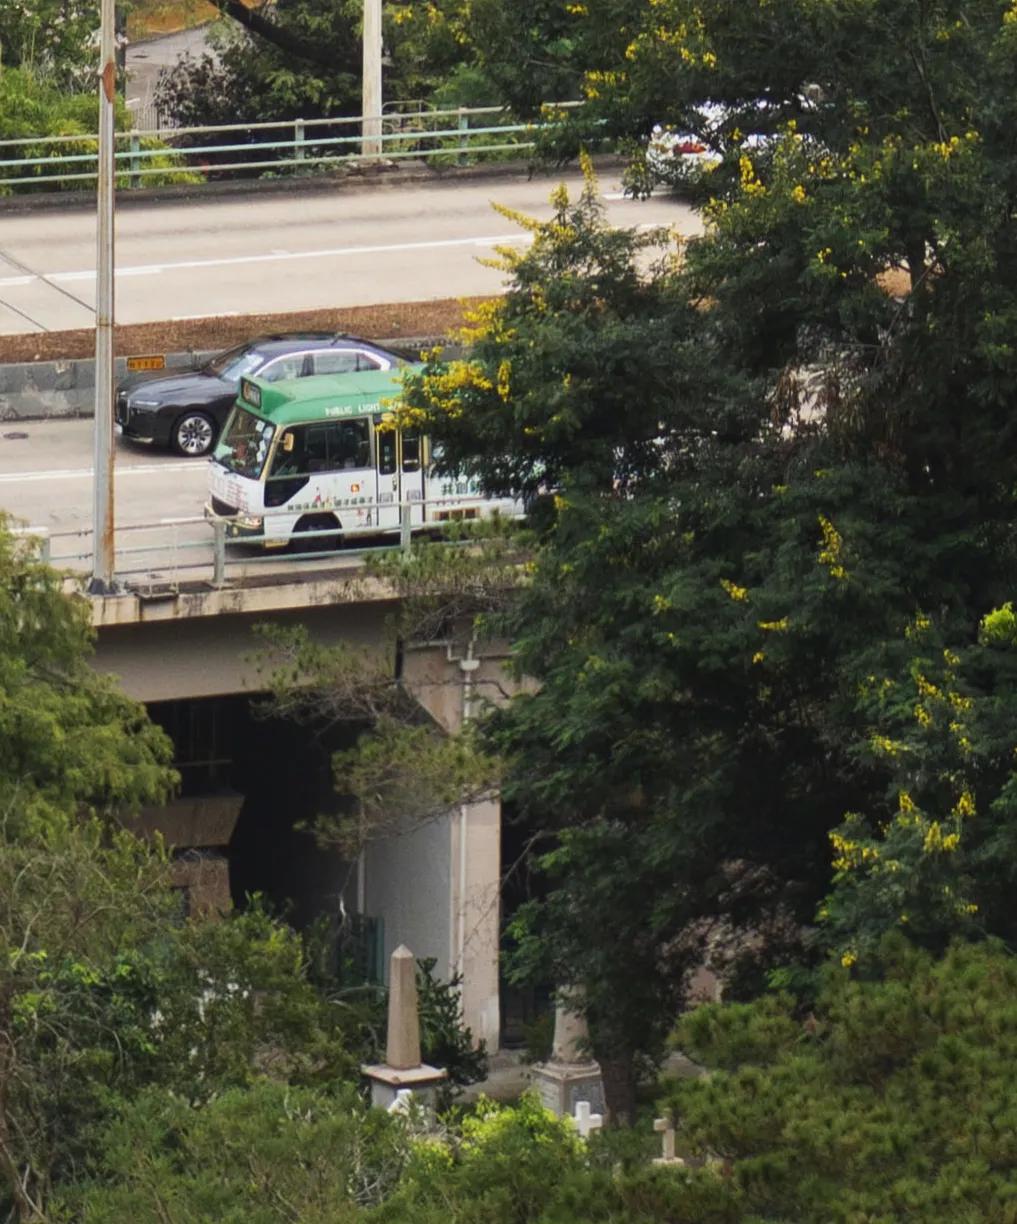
x: 401, y: 1104
x: 402, y: 1047
x: 665, y: 1128
x: 585, y: 1121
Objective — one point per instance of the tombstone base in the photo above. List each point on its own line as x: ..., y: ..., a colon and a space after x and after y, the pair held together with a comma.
x: 386, y: 1082
x: 563, y: 1085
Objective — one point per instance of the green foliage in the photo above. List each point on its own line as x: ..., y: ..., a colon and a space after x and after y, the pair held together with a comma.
x: 68, y: 737
x: 765, y: 468
x: 35, y: 104
x: 933, y: 854
x: 51, y: 38
x: 402, y: 775
x: 891, y: 1101
x: 259, y: 1155
x: 76, y: 904
x: 501, y: 1167
x: 105, y: 990
x: 308, y: 65
x: 444, y: 1040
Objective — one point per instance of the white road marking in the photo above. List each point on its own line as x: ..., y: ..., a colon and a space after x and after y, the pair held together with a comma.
x: 269, y: 257
x: 81, y: 473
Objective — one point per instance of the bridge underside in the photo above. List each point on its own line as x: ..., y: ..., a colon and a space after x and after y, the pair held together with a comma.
x: 249, y: 781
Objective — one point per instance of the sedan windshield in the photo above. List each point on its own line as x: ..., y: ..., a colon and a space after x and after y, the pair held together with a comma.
x: 232, y: 365
x: 244, y: 445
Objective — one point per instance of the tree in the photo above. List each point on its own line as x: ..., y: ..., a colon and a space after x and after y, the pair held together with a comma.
x: 51, y: 38
x: 752, y: 506
x: 264, y: 1154
x: 104, y: 987
x: 303, y: 59
x: 890, y: 1101
x: 68, y: 738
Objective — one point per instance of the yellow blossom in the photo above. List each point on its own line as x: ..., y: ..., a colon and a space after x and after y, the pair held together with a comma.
x: 936, y: 840
x: 738, y: 593
x: 848, y: 959
x: 885, y: 745
x: 965, y: 805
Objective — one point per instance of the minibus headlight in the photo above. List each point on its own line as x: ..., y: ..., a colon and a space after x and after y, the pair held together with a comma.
x: 248, y: 522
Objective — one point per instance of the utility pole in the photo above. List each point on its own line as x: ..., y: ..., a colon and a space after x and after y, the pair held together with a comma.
x: 371, y: 104
x: 102, y: 582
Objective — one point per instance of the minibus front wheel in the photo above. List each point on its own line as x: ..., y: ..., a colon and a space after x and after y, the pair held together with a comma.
x: 317, y: 543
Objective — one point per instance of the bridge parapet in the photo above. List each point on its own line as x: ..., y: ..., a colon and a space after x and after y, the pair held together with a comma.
x: 275, y: 593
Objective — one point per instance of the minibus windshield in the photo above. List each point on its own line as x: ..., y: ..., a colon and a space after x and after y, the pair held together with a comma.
x: 244, y: 445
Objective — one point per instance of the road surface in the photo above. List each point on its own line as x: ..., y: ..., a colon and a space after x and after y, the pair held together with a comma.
x: 358, y: 245
x: 46, y: 482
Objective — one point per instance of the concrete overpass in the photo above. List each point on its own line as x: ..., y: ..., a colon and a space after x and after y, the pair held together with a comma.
x: 189, y: 652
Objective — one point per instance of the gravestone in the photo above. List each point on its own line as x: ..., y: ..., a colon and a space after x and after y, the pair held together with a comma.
x: 402, y: 1071
x: 570, y: 1075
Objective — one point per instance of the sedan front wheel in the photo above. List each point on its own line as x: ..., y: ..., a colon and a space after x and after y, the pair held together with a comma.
x: 193, y: 435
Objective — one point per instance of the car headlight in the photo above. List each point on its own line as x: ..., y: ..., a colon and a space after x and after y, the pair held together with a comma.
x: 249, y: 522
x: 132, y: 402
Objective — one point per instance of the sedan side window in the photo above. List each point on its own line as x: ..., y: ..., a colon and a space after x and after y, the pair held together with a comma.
x: 336, y: 361
x: 292, y: 366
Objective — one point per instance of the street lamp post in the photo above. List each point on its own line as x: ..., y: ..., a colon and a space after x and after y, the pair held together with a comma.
x: 102, y: 582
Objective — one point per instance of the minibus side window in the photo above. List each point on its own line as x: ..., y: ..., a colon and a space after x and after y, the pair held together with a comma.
x: 349, y: 445
x: 411, y: 452
x: 386, y: 441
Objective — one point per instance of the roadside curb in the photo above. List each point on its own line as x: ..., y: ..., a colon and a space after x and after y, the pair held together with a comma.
x: 354, y: 179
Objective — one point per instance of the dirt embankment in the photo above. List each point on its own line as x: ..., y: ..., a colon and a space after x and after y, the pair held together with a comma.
x: 414, y: 320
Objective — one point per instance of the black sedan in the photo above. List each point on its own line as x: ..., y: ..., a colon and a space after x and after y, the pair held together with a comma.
x: 185, y: 410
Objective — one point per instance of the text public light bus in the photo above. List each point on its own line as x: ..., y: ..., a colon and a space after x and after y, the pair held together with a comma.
x: 316, y: 455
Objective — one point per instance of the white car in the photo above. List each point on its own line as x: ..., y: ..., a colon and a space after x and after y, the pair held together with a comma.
x: 670, y: 150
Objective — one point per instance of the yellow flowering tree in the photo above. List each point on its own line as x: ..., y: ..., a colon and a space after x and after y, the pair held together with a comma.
x: 934, y: 855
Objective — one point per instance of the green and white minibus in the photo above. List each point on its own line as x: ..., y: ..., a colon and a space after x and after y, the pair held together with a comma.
x: 312, y: 455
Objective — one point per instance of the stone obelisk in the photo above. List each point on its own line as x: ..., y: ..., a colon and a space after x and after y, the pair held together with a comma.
x: 402, y: 1068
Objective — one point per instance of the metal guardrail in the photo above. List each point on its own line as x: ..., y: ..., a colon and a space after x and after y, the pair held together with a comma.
x: 449, y: 133
x: 220, y: 565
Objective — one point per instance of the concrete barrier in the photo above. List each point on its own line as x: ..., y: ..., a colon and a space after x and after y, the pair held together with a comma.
x: 33, y: 390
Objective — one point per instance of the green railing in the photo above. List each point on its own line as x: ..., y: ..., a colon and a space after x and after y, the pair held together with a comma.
x: 457, y: 136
